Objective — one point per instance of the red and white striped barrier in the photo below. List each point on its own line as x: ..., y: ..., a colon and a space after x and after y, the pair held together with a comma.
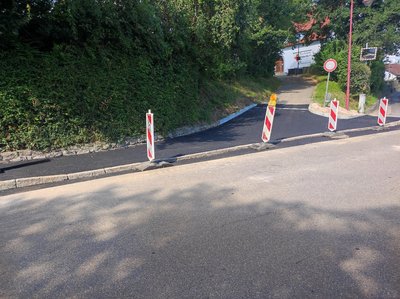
x: 333, y: 115
x: 150, y: 135
x: 269, y: 120
x: 383, y: 106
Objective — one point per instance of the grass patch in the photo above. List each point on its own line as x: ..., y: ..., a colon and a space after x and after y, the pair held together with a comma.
x: 336, y: 92
x: 316, y: 78
x: 321, y: 78
x: 257, y: 89
x: 225, y: 97
x: 371, y: 100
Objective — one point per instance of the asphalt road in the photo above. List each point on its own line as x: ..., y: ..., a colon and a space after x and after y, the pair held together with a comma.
x: 313, y: 221
x: 394, y: 104
x: 290, y: 121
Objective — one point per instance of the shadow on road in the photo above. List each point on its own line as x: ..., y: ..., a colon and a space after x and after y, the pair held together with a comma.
x: 157, y: 245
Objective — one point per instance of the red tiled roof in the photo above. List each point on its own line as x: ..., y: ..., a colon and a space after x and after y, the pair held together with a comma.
x: 393, y: 69
x: 307, y: 26
x: 300, y: 27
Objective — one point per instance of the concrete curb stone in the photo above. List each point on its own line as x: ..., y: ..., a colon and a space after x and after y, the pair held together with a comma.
x: 215, y: 152
x: 6, y: 185
x: 336, y: 135
x: 263, y: 146
x: 318, y: 110
x: 122, y: 168
x: 153, y: 165
x: 32, y: 181
x: 86, y: 174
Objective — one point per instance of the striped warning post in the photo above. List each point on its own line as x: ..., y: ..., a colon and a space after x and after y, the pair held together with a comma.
x: 383, y: 106
x: 269, y: 120
x: 150, y: 135
x: 332, y: 124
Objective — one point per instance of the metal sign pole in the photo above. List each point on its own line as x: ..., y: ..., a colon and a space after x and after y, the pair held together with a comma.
x: 330, y: 66
x: 326, y: 90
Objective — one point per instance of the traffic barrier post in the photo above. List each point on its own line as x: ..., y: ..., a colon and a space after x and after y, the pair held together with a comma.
x: 333, y: 115
x: 383, y: 106
x: 150, y: 135
x: 269, y: 118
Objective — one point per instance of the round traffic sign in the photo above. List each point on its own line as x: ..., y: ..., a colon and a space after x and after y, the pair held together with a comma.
x: 330, y: 65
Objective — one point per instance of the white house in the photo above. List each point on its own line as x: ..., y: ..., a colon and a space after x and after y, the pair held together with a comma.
x: 390, y: 77
x: 289, y: 63
x: 392, y: 59
x: 296, y: 57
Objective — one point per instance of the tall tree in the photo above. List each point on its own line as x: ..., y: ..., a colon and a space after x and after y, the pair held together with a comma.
x: 377, y: 24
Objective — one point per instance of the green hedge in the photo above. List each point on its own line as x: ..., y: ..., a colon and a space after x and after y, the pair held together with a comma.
x: 75, y: 71
x: 65, y: 97
x: 365, y: 77
x: 51, y: 100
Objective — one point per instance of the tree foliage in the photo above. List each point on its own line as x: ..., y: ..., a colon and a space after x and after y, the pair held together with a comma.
x: 81, y: 70
x: 378, y: 24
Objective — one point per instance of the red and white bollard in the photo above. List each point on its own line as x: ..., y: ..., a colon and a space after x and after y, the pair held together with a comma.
x: 269, y: 120
x: 150, y: 135
x: 333, y: 115
x: 383, y: 106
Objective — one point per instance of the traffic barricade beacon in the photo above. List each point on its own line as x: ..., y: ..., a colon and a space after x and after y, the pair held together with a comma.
x: 269, y: 118
x: 333, y: 115
x: 150, y: 135
x: 383, y: 106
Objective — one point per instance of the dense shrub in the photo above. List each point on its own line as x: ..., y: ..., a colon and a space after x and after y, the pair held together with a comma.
x: 75, y: 71
x: 360, y: 78
x: 365, y: 77
x: 61, y: 98
x: 377, y: 75
x: 336, y: 50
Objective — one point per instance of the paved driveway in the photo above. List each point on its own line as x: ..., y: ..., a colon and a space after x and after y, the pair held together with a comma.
x: 394, y: 104
x: 295, y: 90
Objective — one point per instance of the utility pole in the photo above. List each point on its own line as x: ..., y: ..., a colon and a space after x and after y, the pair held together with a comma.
x: 349, y: 55
x: 366, y: 3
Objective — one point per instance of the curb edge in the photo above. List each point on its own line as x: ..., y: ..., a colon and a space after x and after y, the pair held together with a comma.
x: 42, y: 180
x: 316, y: 112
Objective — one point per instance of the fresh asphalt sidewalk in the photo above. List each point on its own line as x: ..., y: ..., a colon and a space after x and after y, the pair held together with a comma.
x: 290, y: 121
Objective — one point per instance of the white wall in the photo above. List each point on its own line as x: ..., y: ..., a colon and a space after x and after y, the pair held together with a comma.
x: 306, y: 54
x: 389, y: 76
x: 392, y: 59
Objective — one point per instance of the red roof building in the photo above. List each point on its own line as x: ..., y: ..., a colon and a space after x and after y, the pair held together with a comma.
x: 393, y: 69
x: 297, y: 57
x: 307, y: 26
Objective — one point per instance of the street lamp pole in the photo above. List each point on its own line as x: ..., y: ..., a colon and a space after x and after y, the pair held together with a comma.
x: 349, y: 55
